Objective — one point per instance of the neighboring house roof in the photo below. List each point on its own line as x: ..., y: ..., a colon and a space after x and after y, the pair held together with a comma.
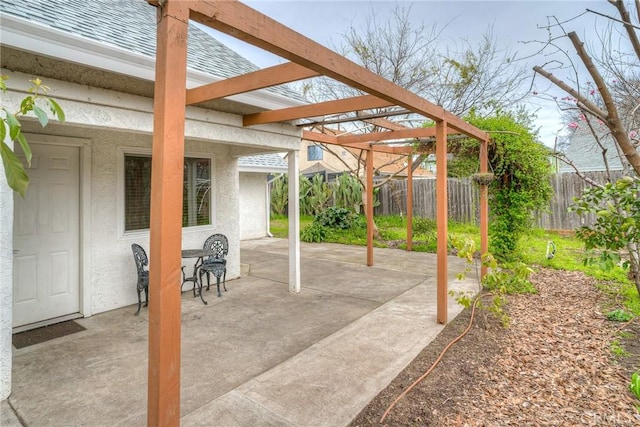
x: 585, y: 153
x: 382, y: 162
x: 131, y: 25
x: 266, y: 163
x: 320, y: 167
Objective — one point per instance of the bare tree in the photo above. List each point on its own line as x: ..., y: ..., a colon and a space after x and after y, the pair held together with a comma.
x: 611, y: 96
x: 474, y: 77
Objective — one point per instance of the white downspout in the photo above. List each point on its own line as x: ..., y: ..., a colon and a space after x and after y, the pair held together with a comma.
x: 268, y: 207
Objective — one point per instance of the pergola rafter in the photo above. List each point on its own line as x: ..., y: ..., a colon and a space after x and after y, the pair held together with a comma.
x: 358, y: 117
x: 384, y: 123
x: 267, y: 77
x: 307, y: 59
x: 364, y: 102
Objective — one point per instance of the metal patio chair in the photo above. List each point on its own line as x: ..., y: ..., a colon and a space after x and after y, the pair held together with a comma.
x: 142, y: 262
x: 215, y: 264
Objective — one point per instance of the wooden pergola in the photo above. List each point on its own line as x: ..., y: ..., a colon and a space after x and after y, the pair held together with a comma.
x: 307, y: 59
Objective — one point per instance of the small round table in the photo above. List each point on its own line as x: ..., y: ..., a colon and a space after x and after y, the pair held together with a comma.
x: 200, y: 254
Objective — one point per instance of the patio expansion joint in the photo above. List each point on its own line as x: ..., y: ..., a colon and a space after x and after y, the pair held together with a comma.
x: 322, y: 352
x: 15, y: 412
x: 356, y: 298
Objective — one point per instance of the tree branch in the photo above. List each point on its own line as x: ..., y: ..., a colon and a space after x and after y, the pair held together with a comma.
x: 626, y: 21
x: 612, y: 111
x: 564, y: 159
x: 593, y: 108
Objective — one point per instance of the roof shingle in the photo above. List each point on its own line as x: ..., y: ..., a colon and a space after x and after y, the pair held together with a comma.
x: 131, y: 25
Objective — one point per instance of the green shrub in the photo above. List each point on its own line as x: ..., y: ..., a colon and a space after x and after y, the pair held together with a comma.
x: 339, y: 218
x: 425, y: 227
x: 509, y: 278
x: 619, y: 315
x: 313, y: 232
x: 635, y: 384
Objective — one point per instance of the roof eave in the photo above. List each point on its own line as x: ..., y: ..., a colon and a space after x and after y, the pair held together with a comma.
x: 40, y: 39
x: 263, y: 169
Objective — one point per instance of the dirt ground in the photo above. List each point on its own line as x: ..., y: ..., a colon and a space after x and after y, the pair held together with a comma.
x: 553, y: 366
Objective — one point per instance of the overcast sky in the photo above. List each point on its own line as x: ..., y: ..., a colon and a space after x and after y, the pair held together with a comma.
x: 513, y: 22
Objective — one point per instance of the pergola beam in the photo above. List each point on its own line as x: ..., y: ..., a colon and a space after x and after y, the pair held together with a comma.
x: 334, y: 140
x: 385, y: 123
x: 267, y: 77
x: 359, y: 116
x: 405, y: 133
x: 363, y: 102
x: 251, y: 26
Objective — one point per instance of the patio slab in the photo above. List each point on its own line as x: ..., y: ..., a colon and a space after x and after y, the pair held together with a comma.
x: 259, y: 355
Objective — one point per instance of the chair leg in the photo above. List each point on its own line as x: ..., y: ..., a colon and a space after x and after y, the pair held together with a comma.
x: 146, y: 296
x: 218, y: 285
x: 200, y: 286
x: 139, y: 301
x: 224, y: 280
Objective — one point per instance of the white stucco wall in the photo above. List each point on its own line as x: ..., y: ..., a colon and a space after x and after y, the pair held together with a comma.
x: 115, y: 123
x: 6, y: 284
x: 112, y: 270
x: 253, y: 205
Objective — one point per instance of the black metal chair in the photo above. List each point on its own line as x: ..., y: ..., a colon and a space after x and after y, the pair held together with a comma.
x: 142, y: 261
x: 216, y: 264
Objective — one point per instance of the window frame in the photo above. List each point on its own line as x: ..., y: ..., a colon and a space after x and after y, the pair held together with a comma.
x: 136, y: 151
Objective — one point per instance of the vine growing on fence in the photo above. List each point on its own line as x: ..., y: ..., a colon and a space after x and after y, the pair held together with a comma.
x: 521, y: 185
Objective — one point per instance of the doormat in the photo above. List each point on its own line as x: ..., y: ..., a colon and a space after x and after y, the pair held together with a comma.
x: 46, y: 333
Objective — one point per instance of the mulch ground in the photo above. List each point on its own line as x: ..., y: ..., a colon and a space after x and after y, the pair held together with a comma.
x: 552, y: 366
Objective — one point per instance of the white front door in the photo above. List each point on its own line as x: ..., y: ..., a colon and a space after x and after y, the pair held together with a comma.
x: 46, y: 237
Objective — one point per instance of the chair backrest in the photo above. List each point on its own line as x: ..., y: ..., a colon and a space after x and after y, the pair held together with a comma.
x: 219, y: 244
x: 140, y: 257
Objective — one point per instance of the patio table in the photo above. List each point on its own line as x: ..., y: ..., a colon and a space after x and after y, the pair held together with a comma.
x: 199, y: 254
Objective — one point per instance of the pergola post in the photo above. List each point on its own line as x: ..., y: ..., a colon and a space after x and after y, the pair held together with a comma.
x: 163, y: 399
x: 293, y: 160
x: 484, y: 206
x: 369, y: 213
x: 409, y: 202
x: 441, y: 220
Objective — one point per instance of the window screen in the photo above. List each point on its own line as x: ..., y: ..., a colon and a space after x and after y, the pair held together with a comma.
x: 196, y: 196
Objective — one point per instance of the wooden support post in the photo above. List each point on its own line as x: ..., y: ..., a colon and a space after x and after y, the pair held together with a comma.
x: 163, y: 397
x: 294, y: 220
x: 369, y: 213
x: 484, y: 206
x: 409, y: 202
x: 442, y: 220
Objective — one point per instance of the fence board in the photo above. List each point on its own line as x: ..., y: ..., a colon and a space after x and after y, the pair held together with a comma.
x: 464, y: 200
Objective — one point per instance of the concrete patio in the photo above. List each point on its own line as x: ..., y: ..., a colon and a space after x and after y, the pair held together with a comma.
x: 258, y: 356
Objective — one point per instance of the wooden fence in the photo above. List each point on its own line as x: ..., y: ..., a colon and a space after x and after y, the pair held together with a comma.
x: 464, y: 200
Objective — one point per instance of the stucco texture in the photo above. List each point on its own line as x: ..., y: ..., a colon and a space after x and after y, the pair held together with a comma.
x: 253, y: 205
x: 112, y: 277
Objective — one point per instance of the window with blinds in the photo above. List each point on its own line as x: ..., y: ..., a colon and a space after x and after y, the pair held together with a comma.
x: 196, y: 196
